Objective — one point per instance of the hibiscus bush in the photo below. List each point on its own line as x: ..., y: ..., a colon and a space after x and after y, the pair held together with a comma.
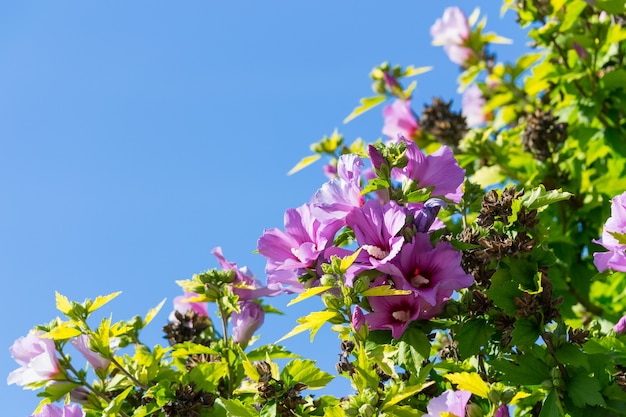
x: 471, y: 262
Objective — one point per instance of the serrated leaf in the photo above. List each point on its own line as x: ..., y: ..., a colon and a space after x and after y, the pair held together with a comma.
x: 251, y: 371
x: 270, y: 351
x: 334, y: 411
x: 182, y: 350
x: 472, y: 335
x: 63, y: 304
x: 312, y: 322
x: 366, y: 104
x: 112, y: 410
x: 583, y: 389
x: 471, y: 382
x: 235, y: 407
x: 405, y: 393
x: 572, y: 11
x: 63, y: 332
x: 539, y: 197
x: 304, y: 162
x: 207, y: 375
x: 526, y: 370
x: 305, y: 371
x: 347, y: 261
x: 525, y: 333
x: 153, y: 312
x: 308, y: 293
x: 102, y: 300
x: 551, y: 406
x: 486, y: 176
x: 383, y: 290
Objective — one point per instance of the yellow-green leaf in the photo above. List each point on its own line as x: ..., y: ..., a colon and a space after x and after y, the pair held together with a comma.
x: 406, y: 394
x: 487, y: 175
x: 366, y: 104
x: 473, y: 18
x: 305, y: 162
x: 153, y: 312
x: 63, y: 332
x: 411, y: 71
x: 494, y: 38
x: 349, y: 260
x: 519, y: 396
x: 102, y: 300
x: 63, y: 304
x: 308, y: 293
x: 471, y: 382
x: 312, y: 322
x: 251, y: 371
x: 383, y: 290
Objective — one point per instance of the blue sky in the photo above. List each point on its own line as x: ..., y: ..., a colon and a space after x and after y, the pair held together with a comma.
x: 137, y: 136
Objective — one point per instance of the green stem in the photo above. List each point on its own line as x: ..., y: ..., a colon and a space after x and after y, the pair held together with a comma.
x: 224, y: 318
x: 128, y: 374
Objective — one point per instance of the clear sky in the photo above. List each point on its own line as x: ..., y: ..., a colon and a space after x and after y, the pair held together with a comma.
x: 135, y: 136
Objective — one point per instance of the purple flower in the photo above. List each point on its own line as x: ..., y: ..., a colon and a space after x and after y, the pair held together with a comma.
x: 182, y: 306
x: 376, y: 228
x: 358, y: 318
x: 439, y: 170
x: 620, y: 326
x: 340, y: 195
x: 580, y: 50
x: 51, y: 410
x: 247, y: 321
x: 399, y: 119
x: 393, y: 313
x: 425, y: 215
x: 502, y: 411
x: 615, y: 259
x: 472, y: 104
x: 289, y: 253
x: 452, y: 402
x: 432, y: 273
x: 245, y: 285
x: 81, y: 343
x: 452, y: 31
x: 36, y: 357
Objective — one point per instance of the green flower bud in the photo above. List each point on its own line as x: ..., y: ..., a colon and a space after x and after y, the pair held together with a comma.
x: 507, y: 395
x: 366, y: 410
x: 331, y: 301
x: 494, y: 396
x: 547, y: 384
x: 473, y: 410
x: 327, y: 280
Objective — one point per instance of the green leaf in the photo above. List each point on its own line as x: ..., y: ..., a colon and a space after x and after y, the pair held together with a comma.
x: 488, y: 175
x: 383, y: 290
x: 472, y: 335
x: 305, y: 371
x: 611, y: 6
x: 552, y: 406
x: 207, y: 375
x: 538, y: 197
x: 570, y: 354
x: 417, y: 340
x: 63, y: 304
x: 112, y: 410
x: 366, y: 104
x: 235, y: 407
x: 503, y: 291
x: 182, y: 350
x: 308, y: 293
x: 334, y: 411
x: 525, y: 333
x: 583, y: 389
x: 403, y: 393
x: 270, y: 351
x: 365, y: 376
x: 572, y: 11
x: 527, y: 371
x: 304, y: 162
x: 312, y: 322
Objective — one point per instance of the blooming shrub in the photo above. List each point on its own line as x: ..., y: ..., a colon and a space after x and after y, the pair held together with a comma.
x: 458, y: 260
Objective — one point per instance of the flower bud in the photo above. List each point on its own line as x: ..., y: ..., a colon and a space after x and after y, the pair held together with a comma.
x: 366, y: 410
x: 327, y: 280
x: 331, y: 301
x: 247, y: 321
x: 473, y: 410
